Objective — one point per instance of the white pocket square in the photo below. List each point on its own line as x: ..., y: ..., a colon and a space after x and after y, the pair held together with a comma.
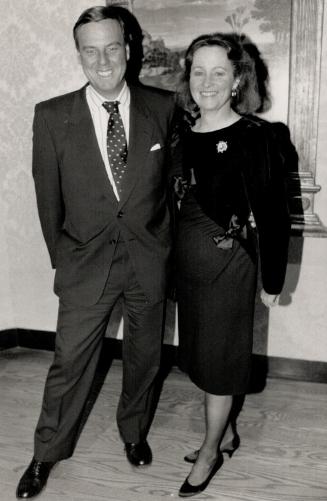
x: 155, y: 147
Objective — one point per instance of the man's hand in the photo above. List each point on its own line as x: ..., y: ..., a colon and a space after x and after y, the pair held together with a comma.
x: 269, y: 300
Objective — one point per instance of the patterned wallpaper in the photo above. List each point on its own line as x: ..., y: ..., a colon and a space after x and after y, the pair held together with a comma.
x: 37, y: 60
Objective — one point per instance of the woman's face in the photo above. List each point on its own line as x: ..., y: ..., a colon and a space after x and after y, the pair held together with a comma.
x: 211, y: 78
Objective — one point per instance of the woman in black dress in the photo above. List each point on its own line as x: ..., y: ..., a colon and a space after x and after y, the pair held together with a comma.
x: 233, y: 208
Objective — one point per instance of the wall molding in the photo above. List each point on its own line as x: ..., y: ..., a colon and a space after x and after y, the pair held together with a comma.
x: 262, y: 366
x: 304, y: 89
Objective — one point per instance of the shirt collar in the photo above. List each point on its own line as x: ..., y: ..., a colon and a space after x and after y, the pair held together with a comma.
x: 97, y: 100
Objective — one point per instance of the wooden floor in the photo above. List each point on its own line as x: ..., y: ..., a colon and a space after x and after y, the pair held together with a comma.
x: 283, y: 454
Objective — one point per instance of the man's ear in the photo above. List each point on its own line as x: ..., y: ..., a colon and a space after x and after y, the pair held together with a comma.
x: 127, y: 51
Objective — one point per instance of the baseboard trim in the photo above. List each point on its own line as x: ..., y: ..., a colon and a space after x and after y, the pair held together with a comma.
x: 8, y: 339
x: 262, y: 366
x: 302, y: 370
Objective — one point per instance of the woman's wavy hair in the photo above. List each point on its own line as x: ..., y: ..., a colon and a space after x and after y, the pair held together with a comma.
x: 252, y: 94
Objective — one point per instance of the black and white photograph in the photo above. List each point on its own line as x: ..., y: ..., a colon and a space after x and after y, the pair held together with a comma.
x: 163, y: 250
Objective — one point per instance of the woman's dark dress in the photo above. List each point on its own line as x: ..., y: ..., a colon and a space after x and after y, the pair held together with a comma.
x: 216, y: 284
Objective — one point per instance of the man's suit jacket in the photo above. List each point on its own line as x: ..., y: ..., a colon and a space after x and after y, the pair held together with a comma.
x: 80, y: 217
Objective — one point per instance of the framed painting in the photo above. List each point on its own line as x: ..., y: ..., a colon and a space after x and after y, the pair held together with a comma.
x: 288, y: 34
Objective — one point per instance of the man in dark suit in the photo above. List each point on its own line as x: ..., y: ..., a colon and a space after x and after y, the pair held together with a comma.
x: 104, y: 215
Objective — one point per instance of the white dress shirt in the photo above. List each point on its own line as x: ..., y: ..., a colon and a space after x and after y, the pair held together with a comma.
x: 100, y: 119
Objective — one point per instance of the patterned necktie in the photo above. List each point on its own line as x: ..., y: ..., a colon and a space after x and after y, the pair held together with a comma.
x: 116, y: 143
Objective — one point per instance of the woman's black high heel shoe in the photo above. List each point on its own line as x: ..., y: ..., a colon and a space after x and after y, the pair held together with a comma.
x: 188, y: 490
x: 232, y: 446
x: 229, y: 449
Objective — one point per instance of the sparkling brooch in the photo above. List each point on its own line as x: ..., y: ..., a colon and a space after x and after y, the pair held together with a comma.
x: 221, y: 146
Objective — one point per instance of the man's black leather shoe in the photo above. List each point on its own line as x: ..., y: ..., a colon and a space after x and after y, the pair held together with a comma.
x: 138, y: 454
x: 34, y: 479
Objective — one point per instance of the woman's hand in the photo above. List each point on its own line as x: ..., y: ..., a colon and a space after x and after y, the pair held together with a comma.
x: 269, y: 300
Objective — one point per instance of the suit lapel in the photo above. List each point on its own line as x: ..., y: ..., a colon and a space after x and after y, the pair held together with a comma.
x: 141, y: 130
x: 83, y: 143
x: 84, y: 148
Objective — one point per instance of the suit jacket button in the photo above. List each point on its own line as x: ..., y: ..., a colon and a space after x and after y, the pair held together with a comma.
x: 120, y: 213
x: 113, y: 241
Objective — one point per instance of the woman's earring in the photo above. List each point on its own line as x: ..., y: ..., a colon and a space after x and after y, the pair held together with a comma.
x: 234, y: 88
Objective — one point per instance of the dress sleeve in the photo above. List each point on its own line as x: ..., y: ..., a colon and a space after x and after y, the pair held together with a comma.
x: 265, y: 177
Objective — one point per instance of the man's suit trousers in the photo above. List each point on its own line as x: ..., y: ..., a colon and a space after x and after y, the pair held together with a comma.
x: 80, y: 333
